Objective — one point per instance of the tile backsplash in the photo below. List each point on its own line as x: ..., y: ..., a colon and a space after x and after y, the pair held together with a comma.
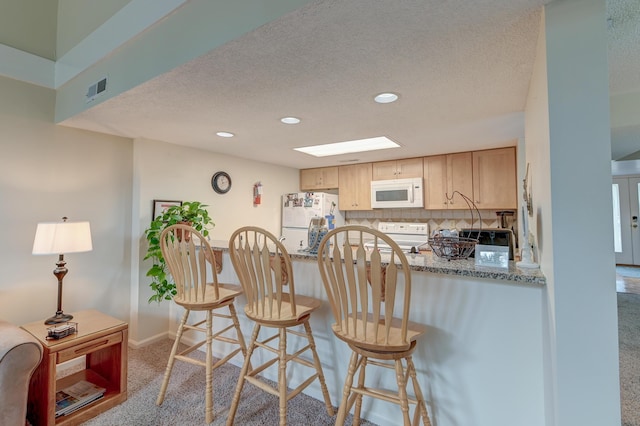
x: 436, y: 219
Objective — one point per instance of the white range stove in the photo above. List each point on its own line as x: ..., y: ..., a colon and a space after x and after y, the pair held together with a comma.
x: 411, y: 237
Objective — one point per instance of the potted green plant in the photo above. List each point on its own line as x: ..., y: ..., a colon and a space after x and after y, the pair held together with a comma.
x: 192, y: 212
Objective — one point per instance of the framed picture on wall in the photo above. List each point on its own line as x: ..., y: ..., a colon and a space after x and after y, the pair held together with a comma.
x: 159, y: 206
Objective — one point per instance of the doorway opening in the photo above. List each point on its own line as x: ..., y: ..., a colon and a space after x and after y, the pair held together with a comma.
x: 626, y: 213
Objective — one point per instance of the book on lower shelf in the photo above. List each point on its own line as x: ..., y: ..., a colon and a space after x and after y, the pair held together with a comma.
x: 77, y: 396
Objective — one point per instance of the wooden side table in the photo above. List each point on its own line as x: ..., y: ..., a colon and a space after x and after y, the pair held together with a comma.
x: 103, y: 340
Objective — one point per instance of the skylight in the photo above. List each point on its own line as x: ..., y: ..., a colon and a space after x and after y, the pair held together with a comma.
x: 347, y: 147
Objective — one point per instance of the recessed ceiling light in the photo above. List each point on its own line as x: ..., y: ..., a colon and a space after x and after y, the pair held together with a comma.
x: 225, y: 134
x: 386, y: 98
x: 360, y: 145
x: 290, y: 120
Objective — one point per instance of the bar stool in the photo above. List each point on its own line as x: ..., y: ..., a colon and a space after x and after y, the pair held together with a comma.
x: 370, y: 301
x: 264, y: 269
x: 189, y: 257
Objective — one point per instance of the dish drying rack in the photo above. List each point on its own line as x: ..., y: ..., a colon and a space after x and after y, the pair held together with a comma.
x: 453, y: 248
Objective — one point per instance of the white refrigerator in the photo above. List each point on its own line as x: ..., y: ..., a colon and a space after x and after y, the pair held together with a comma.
x: 298, y: 208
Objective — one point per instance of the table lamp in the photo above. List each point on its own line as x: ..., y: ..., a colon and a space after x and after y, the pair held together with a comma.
x: 60, y: 238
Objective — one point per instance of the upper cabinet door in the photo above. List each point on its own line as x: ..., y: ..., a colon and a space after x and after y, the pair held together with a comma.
x: 494, y: 179
x: 319, y: 178
x: 355, y: 187
x: 384, y: 170
x: 459, y: 178
x: 435, y: 185
x: 397, y: 169
x: 445, y: 174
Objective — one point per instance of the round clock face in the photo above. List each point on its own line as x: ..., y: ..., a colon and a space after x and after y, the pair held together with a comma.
x: 221, y: 182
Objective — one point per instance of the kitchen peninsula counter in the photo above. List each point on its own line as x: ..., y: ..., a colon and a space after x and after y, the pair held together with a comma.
x: 426, y: 261
x: 484, y: 339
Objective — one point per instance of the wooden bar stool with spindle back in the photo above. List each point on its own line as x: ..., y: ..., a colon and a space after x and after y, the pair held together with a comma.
x: 264, y: 269
x: 192, y: 264
x: 370, y: 300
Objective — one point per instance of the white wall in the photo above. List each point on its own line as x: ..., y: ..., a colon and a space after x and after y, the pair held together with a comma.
x: 77, y: 19
x: 568, y: 146
x: 537, y: 155
x: 170, y: 172
x: 48, y: 172
x: 625, y: 123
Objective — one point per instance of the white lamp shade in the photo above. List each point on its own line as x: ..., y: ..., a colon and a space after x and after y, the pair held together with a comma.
x: 62, y: 237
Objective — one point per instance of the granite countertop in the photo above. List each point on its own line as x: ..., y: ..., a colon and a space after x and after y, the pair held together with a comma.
x: 426, y: 261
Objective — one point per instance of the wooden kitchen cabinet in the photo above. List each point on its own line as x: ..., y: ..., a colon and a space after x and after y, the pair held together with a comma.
x: 445, y: 174
x: 355, y: 187
x: 319, y: 178
x: 397, y: 169
x: 494, y: 179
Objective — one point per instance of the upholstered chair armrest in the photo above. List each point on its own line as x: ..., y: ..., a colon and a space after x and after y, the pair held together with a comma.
x: 20, y: 354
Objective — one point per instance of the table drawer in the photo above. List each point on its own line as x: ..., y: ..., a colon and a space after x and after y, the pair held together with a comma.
x: 88, y: 347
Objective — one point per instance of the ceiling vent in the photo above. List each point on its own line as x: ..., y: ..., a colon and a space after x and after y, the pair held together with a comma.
x: 96, y: 89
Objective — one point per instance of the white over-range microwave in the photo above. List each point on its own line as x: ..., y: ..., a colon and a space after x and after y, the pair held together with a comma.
x: 397, y: 193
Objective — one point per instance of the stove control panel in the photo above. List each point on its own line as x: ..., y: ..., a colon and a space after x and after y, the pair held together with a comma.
x: 406, y: 228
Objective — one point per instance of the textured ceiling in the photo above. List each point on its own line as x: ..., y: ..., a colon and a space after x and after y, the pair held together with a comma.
x: 461, y: 68
x: 624, y: 45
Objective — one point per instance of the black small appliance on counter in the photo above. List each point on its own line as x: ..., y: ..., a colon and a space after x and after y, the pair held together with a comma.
x: 492, y: 237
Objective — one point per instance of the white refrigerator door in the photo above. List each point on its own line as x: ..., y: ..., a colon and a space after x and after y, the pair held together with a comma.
x: 299, y: 208
x: 331, y: 205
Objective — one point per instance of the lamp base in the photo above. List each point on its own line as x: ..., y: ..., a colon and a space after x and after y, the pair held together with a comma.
x: 58, y: 318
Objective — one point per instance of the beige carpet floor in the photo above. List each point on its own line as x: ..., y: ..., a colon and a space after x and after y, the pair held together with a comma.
x: 629, y: 343
x: 184, y: 401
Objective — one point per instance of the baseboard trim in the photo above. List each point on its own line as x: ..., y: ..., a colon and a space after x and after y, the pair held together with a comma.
x: 137, y: 344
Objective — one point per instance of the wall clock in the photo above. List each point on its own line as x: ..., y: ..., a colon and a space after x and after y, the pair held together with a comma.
x: 221, y: 182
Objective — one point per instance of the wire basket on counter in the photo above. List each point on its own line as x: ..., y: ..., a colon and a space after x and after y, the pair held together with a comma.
x: 456, y: 247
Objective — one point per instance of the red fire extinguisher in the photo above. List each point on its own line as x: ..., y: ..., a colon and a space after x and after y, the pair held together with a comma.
x: 257, y: 193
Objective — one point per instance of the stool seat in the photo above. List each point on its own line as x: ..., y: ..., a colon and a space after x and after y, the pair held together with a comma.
x: 227, y: 294
x: 288, y: 313
x: 375, y: 338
